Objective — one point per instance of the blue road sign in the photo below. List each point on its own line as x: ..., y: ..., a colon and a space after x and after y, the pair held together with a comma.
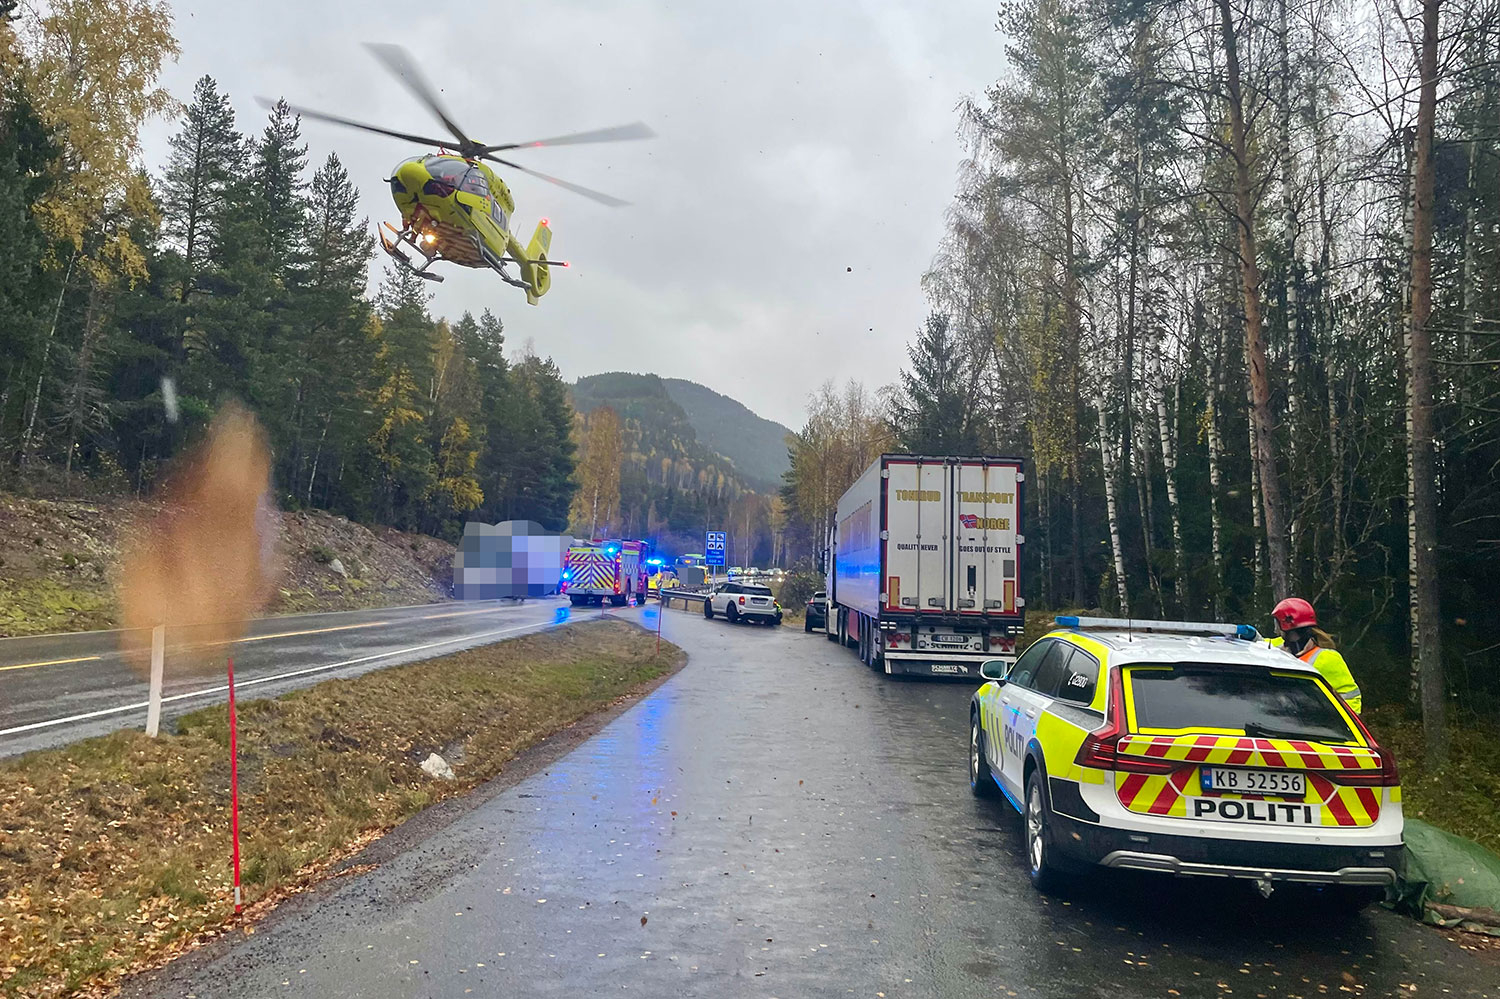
x: 713, y: 548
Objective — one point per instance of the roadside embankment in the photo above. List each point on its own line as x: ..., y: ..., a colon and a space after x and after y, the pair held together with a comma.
x: 59, y: 559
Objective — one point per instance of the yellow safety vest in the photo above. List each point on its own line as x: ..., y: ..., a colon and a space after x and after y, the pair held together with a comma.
x: 1331, y: 665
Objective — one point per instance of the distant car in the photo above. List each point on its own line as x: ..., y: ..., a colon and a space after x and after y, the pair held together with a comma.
x: 1187, y: 749
x: 817, y: 611
x: 736, y: 570
x: 743, y: 601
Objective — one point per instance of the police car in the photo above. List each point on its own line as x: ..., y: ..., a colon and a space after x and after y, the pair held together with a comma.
x: 1187, y: 749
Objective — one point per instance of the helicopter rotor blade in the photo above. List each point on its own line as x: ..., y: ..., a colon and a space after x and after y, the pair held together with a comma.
x: 618, y: 133
x: 351, y: 123
x: 401, y: 65
x: 599, y: 196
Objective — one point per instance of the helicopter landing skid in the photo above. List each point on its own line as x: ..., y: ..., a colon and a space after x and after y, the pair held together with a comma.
x: 391, y: 242
x: 498, y: 265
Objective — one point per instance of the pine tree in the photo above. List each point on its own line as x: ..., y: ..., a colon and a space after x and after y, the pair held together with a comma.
x: 538, y: 484
x: 277, y: 172
x: 334, y: 354
x: 934, y: 413
x: 400, y: 397
x: 207, y: 154
x: 26, y: 155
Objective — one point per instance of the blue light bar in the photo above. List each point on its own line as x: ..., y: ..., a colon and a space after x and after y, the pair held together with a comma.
x: 1245, y: 632
x: 653, y: 561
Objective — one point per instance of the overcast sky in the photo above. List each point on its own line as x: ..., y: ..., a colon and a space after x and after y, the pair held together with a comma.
x: 796, y: 139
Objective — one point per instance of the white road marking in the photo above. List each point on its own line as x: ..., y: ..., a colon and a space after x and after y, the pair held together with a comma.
x: 223, y: 688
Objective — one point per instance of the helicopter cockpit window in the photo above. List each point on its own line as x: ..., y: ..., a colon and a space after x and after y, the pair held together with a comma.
x: 448, y: 169
x: 475, y: 183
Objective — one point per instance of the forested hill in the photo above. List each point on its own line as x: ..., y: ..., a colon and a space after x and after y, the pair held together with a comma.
x: 644, y: 405
x: 668, y: 483
x: 757, y: 446
x: 683, y: 417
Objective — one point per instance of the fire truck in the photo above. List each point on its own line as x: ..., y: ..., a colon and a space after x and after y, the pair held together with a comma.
x: 596, y: 571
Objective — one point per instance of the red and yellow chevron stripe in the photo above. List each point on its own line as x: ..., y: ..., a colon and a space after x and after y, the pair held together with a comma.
x: 1170, y: 794
x: 1242, y: 751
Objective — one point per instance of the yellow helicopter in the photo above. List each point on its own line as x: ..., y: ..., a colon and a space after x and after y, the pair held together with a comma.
x: 453, y: 206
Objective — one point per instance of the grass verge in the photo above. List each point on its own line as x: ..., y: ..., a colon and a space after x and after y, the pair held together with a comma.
x: 114, y: 852
x: 43, y: 606
x: 1459, y: 796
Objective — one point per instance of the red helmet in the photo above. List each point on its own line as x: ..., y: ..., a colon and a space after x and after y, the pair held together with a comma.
x: 1294, y: 612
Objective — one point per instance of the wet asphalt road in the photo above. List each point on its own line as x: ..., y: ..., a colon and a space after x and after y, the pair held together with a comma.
x: 777, y: 821
x: 55, y: 689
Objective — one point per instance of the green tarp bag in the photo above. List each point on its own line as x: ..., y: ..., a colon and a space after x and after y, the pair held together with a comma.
x: 1449, y: 881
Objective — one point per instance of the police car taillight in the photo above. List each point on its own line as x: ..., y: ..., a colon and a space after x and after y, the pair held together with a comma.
x: 1100, y: 749
x: 1385, y: 775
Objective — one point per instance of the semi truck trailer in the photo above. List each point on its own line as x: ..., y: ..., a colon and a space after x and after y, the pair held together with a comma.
x: 924, y: 566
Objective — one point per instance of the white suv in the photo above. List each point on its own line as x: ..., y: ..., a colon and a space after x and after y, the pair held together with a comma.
x: 743, y: 600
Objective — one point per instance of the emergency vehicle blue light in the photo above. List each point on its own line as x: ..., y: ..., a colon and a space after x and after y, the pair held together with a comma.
x: 1246, y: 632
x: 653, y: 561
x: 567, y: 574
x: 1067, y: 621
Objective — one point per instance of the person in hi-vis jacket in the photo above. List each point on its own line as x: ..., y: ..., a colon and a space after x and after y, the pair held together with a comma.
x: 1301, y: 636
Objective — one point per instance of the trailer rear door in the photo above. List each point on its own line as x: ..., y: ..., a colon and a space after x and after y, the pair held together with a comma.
x: 919, y: 518
x: 986, y: 515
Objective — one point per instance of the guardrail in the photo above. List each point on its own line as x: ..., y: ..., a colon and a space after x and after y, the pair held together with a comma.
x: 689, y: 597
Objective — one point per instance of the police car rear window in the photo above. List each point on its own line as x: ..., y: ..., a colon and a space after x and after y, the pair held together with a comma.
x: 1257, y: 702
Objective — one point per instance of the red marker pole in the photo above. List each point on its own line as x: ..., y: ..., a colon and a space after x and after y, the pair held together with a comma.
x: 234, y: 789
x: 661, y: 606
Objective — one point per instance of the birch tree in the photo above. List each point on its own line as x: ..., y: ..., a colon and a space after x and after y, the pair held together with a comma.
x: 1421, y: 462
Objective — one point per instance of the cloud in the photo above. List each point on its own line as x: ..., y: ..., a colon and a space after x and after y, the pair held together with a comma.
x: 780, y: 223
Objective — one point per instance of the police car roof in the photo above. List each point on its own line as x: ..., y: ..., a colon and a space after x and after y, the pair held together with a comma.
x: 1136, y: 647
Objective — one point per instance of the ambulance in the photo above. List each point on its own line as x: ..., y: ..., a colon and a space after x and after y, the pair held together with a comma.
x: 1189, y: 749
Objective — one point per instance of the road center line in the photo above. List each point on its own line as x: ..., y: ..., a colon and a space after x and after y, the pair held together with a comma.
x: 294, y: 634
x: 51, y: 662
x: 221, y: 688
